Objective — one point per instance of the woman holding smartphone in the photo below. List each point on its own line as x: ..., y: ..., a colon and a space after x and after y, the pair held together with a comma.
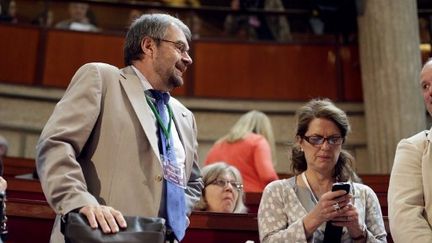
x: 304, y: 208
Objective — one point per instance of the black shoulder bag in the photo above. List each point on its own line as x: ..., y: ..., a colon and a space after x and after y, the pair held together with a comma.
x: 76, y: 229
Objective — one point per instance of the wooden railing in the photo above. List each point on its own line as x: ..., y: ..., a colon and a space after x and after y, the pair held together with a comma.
x: 33, y: 219
x: 229, y: 70
x: 30, y: 216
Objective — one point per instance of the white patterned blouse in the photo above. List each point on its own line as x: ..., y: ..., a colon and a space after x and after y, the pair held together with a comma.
x: 284, y: 205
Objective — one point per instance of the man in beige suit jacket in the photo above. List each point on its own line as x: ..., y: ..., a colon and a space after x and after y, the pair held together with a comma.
x: 98, y: 153
x: 410, y: 188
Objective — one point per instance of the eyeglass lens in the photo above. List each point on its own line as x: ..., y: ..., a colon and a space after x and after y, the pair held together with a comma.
x: 318, y: 140
x: 223, y: 183
x: 179, y: 45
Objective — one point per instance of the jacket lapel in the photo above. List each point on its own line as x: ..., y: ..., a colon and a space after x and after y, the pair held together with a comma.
x: 182, y: 126
x: 177, y: 121
x: 135, y: 93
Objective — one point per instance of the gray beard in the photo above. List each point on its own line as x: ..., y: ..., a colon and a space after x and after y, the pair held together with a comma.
x: 175, y: 81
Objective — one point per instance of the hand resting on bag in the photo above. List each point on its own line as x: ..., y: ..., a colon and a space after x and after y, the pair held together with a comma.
x: 139, y: 229
x: 106, y: 217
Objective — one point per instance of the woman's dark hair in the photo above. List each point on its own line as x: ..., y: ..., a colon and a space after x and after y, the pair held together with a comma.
x: 323, y: 108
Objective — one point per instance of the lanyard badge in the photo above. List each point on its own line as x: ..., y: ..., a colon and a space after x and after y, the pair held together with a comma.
x: 172, y: 171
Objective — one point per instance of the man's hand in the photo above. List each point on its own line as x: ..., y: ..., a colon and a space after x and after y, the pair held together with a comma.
x: 106, y: 217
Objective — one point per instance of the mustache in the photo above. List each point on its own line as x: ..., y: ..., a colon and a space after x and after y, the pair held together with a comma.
x: 181, y: 66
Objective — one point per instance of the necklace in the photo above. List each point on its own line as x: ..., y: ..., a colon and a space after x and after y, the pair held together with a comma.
x: 314, y: 198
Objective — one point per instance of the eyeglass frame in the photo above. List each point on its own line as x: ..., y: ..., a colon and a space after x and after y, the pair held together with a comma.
x: 179, y: 45
x: 328, y: 139
x: 234, y: 184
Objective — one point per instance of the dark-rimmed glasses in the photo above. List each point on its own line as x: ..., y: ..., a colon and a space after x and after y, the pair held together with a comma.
x: 319, y: 140
x: 223, y: 183
x: 180, y: 46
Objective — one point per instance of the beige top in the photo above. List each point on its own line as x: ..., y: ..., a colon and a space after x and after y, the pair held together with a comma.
x: 284, y: 205
x: 100, y: 146
x: 410, y: 190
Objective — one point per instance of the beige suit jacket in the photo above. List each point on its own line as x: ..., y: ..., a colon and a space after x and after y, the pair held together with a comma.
x: 410, y: 190
x: 100, y: 146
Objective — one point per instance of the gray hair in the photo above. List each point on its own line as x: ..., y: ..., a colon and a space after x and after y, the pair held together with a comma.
x: 211, y: 173
x: 149, y: 25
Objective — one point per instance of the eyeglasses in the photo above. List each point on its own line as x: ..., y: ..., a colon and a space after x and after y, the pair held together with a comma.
x: 180, y: 46
x: 223, y: 183
x: 319, y: 140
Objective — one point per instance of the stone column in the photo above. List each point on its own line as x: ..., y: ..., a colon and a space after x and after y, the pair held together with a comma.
x: 390, y: 65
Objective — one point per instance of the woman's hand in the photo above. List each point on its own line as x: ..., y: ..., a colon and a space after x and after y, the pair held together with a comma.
x: 330, y: 206
x: 350, y: 219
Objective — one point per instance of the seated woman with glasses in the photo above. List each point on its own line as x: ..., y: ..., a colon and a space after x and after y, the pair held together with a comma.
x: 304, y: 208
x: 223, y: 189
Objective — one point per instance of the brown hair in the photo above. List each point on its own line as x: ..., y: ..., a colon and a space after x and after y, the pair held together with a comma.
x: 323, y: 108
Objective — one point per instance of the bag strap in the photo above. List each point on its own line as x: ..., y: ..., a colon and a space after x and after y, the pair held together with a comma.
x: 64, y: 220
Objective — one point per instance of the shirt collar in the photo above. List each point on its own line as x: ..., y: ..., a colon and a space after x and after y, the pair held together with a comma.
x: 146, y: 84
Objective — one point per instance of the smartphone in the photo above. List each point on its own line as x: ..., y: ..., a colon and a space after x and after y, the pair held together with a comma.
x: 345, y: 186
x: 332, y: 232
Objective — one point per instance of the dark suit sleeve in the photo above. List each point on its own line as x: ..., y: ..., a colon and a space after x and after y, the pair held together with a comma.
x: 195, y: 183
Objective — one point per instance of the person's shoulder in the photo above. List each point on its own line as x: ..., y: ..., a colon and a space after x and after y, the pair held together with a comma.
x: 106, y: 73
x: 95, y: 73
x: 419, y: 136
x: 282, y: 190
x: 358, y: 185
x: 64, y: 24
x: 280, y: 184
x: 101, y: 67
x: 417, y: 139
x: 256, y: 138
x: 362, y: 188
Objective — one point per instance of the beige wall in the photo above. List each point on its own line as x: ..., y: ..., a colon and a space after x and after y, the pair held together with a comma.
x: 24, y: 111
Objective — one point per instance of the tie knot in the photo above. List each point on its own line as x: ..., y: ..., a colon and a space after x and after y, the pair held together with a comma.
x: 160, y: 96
